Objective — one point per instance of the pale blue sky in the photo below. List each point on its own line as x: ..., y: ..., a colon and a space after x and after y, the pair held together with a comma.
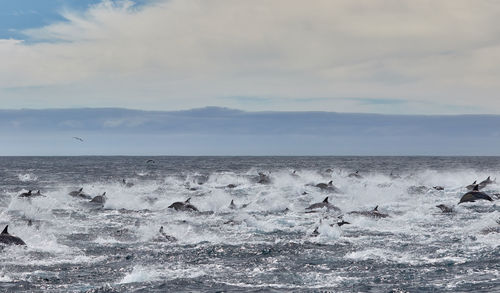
x: 380, y: 56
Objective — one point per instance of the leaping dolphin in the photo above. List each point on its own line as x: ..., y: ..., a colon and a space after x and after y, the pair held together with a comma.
x: 183, y: 206
x: 323, y: 204
x: 474, y: 195
x: 30, y: 194
x: 486, y: 182
x: 26, y: 194
x: 327, y: 187
x: 6, y: 238
x: 79, y: 193
x: 471, y: 186
x: 100, y: 199
x: 355, y: 175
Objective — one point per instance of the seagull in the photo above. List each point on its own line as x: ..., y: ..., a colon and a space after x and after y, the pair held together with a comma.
x: 78, y: 138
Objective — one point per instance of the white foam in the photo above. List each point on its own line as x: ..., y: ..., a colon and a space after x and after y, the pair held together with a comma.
x: 28, y: 177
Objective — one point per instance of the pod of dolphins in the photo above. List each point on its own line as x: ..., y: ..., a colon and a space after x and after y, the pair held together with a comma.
x: 474, y: 194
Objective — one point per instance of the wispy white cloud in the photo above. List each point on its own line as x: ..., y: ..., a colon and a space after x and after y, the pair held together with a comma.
x: 189, y: 53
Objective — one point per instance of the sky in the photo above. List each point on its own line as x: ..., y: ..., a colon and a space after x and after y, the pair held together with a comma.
x: 367, y: 56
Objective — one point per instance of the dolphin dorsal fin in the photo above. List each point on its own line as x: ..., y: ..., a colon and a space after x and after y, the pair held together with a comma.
x: 80, y: 190
x: 5, y: 230
x: 232, y: 202
x: 325, y: 200
x: 476, y: 187
x: 187, y: 200
x: 331, y: 182
x: 161, y: 229
x: 375, y: 209
x: 38, y: 192
x: 104, y: 193
x: 29, y: 191
x: 357, y: 171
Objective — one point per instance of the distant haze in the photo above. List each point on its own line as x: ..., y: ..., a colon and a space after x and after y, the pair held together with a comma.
x: 222, y: 131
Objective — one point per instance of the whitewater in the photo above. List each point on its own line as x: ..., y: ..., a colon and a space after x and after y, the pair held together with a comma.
x: 266, y: 246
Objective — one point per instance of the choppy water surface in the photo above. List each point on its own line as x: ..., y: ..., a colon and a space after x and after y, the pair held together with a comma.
x: 75, y: 246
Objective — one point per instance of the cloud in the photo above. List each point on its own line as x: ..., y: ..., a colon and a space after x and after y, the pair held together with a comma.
x: 181, y: 54
x: 222, y: 131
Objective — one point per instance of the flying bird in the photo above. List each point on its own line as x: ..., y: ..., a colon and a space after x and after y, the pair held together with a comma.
x: 78, y: 138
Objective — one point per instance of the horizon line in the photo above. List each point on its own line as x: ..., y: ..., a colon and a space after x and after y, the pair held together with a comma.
x: 239, y: 110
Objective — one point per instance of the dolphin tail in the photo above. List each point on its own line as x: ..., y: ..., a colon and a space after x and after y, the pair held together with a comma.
x: 5, y: 230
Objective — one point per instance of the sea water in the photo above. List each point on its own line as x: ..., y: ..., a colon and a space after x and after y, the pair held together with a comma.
x: 76, y: 246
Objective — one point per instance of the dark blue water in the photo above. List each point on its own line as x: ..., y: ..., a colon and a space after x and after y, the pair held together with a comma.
x: 77, y: 246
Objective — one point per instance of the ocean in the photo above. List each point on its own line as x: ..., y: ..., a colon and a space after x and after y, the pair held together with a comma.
x: 268, y: 243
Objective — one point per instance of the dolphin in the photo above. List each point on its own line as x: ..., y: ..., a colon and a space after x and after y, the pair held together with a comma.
x: 263, y: 178
x: 168, y: 237
x: 355, y: 175
x: 474, y: 195
x: 471, y: 186
x: 127, y: 184
x: 6, y: 238
x: 324, y: 185
x: 323, y: 204
x: 79, y: 193
x: 101, y: 199
x: 31, y: 194
x: 233, y: 206
x: 26, y: 194
x: 76, y: 192
x: 341, y: 223
x: 328, y: 187
x: 394, y: 176
x: 445, y: 208
x: 183, y: 206
x: 231, y: 185
x: 486, y: 182
x: 373, y: 213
